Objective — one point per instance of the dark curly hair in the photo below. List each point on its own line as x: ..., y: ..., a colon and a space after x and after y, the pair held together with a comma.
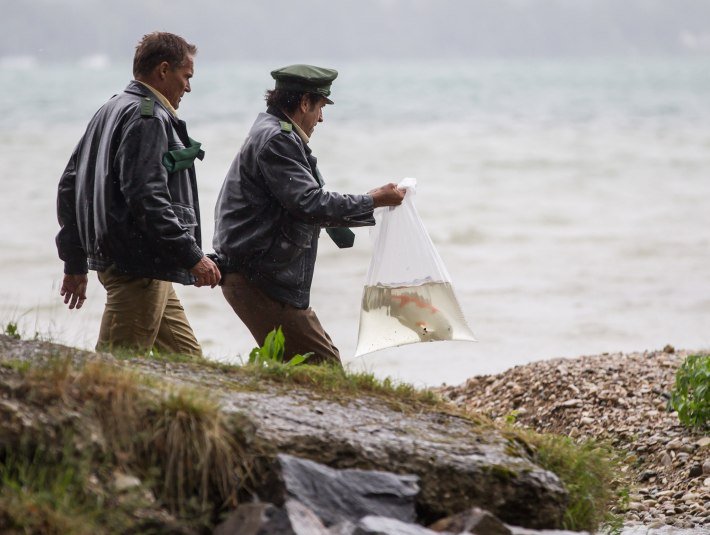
x: 288, y: 101
x: 157, y: 47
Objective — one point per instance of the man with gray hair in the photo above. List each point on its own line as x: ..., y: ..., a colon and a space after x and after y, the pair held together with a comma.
x: 128, y: 208
x: 271, y: 209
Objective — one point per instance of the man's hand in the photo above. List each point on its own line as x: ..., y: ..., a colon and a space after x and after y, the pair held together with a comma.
x: 387, y: 195
x: 74, y: 290
x: 206, y: 272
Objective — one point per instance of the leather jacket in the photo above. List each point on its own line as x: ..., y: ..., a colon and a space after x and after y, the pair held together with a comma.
x: 271, y: 208
x: 118, y: 205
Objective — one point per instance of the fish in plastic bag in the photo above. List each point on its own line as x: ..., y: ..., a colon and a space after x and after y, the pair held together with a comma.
x: 408, y: 296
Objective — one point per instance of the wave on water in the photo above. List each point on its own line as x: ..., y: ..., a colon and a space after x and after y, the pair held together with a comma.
x: 95, y: 61
x: 24, y: 63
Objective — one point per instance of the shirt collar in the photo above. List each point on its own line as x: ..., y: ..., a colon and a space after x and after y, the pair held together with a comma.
x: 164, y: 101
x: 299, y: 130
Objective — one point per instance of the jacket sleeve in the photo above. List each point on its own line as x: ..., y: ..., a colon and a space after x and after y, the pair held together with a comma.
x: 289, y: 179
x: 68, y: 240
x: 144, y: 184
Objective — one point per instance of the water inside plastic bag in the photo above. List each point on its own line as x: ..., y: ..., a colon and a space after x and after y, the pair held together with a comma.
x: 393, y: 316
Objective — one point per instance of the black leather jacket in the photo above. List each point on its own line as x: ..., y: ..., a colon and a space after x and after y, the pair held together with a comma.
x: 271, y: 208
x: 117, y: 203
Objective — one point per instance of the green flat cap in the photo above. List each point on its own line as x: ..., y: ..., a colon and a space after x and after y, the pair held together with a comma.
x: 305, y: 78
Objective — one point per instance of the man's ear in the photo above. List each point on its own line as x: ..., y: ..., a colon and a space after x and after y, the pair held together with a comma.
x: 305, y: 104
x: 163, y: 69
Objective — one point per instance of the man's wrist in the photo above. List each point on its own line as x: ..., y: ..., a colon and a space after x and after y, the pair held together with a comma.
x: 76, y: 267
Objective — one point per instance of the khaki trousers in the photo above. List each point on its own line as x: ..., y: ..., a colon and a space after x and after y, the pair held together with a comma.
x: 143, y: 314
x: 261, y: 314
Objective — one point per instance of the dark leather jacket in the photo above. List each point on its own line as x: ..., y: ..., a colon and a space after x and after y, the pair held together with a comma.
x: 117, y: 204
x: 271, y: 208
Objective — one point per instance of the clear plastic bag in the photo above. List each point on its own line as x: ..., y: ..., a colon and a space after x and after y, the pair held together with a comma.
x: 408, y: 295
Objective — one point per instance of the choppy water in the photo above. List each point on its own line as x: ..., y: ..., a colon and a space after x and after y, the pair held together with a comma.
x: 570, y: 201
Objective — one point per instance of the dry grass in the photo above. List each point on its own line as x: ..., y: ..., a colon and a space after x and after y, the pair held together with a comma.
x: 197, y: 455
x: 177, y: 442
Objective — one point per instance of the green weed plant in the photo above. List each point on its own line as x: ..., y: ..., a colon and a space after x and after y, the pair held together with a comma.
x: 272, y: 353
x: 691, y: 393
x: 12, y: 330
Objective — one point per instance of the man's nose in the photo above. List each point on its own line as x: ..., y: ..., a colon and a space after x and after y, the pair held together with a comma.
x: 188, y: 88
x: 320, y: 116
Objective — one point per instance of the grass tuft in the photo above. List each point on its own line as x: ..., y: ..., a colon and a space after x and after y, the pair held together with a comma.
x: 588, y: 471
x: 342, y: 385
x: 197, y: 454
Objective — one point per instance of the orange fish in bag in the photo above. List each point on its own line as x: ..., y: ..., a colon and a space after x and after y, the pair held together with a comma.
x: 408, y: 295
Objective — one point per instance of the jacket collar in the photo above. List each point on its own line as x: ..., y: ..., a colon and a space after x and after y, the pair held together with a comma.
x: 281, y: 116
x: 276, y: 112
x: 137, y: 88
x: 161, y: 98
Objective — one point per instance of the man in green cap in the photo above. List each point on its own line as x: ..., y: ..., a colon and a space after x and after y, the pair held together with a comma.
x: 271, y: 208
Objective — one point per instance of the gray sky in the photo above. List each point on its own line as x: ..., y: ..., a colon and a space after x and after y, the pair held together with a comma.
x: 52, y: 30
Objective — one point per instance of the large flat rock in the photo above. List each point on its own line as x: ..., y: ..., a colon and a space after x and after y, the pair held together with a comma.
x: 460, y: 463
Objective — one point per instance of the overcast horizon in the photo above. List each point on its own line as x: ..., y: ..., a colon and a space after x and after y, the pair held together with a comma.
x: 364, y: 30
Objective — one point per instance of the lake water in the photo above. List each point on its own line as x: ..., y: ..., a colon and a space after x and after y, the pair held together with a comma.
x: 569, y: 200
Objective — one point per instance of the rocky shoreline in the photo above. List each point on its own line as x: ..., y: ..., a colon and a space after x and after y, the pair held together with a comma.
x: 621, y: 399
x: 150, y: 439
x: 467, y: 470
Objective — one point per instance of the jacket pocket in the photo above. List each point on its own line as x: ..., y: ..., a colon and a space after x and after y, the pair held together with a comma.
x: 285, y: 262
x: 185, y: 214
x: 291, y: 241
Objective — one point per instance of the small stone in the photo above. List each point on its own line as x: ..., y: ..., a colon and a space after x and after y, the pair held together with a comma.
x: 674, y: 444
x: 570, y: 403
x: 703, y: 442
x: 476, y: 521
x: 123, y: 482
x: 707, y: 482
x: 647, y: 474
x: 636, y: 506
x: 666, y: 459
x: 695, y: 471
x: 706, y: 467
